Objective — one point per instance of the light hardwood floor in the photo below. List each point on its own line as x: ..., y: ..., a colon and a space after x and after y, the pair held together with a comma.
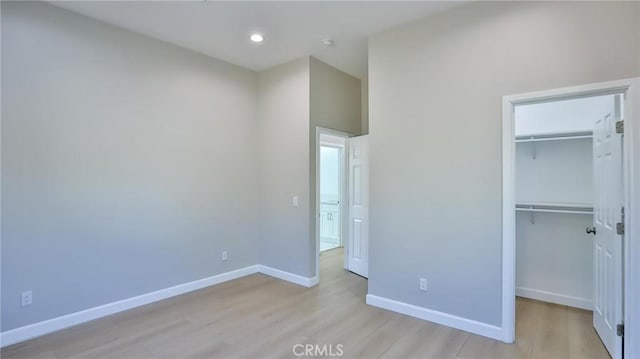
x: 259, y: 316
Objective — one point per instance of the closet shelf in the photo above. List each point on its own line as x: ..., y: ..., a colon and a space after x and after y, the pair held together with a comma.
x: 554, y: 137
x: 569, y: 208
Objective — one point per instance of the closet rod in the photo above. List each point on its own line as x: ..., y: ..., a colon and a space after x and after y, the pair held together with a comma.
x: 554, y: 137
x: 539, y: 210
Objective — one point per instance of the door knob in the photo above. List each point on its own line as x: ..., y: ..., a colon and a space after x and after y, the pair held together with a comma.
x: 591, y: 230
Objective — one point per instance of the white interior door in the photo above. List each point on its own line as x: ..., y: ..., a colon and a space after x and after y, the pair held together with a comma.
x: 358, y: 245
x: 608, y: 202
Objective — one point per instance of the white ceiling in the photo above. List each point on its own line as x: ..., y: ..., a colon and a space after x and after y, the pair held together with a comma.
x: 291, y: 29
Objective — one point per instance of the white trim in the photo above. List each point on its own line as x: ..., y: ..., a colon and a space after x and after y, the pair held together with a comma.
x: 26, y: 332
x: 30, y: 331
x: 508, y: 224
x: 343, y: 199
x: 562, y: 299
x: 287, y: 276
x: 632, y: 201
x: 632, y: 222
x: 449, y: 320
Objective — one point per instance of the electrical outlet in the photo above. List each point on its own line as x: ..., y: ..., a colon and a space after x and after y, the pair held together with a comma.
x: 295, y: 201
x: 225, y: 256
x: 27, y: 298
x: 423, y: 284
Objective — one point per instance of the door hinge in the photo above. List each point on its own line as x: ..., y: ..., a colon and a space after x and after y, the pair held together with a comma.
x: 620, y: 225
x: 620, y: 330
x: 620, y: 127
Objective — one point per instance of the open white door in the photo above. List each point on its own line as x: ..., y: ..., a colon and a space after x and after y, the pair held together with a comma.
x: 358, y: 246
x: 607, y: 249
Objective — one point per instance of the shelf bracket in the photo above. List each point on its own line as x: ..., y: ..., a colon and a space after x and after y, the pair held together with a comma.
x: 534, y: 149
x: 533, y: 215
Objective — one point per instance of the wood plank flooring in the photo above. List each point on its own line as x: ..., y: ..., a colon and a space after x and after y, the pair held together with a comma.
x: 262, y: 317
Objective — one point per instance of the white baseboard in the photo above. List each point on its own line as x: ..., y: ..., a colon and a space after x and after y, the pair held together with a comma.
x: 51, y: 325
x: 570, y: 301
x: 289, y: 277
x: 448, y: 320
x: 30, y: 331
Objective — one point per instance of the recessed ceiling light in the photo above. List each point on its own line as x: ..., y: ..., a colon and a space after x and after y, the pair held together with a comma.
x: 256, y: 38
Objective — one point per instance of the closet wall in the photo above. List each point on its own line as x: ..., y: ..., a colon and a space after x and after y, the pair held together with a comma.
x: 554, y: 195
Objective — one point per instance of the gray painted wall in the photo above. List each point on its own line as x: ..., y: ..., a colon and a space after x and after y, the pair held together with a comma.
x: 294, y: 98
x: 334, y: 103
x: 127, y: 164
x: 334, y: 98
x: 365, y: 105
x: 435, y: 89
x: 283, y: 112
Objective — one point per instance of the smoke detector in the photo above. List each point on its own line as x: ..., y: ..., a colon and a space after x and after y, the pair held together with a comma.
x: 328, y: 43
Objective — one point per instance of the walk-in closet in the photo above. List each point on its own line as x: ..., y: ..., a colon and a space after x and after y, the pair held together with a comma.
x: 554, y: 195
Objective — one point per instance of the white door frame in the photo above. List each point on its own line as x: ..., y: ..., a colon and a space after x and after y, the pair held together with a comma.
x: 343, y: 193
x: 631, y: 179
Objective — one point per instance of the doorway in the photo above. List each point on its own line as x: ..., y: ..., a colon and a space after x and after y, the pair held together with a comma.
x: 342, y: 199
x: 331, y: 188
x: 331, y: 192
x: 560, y: 168
x: 565, y: 186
